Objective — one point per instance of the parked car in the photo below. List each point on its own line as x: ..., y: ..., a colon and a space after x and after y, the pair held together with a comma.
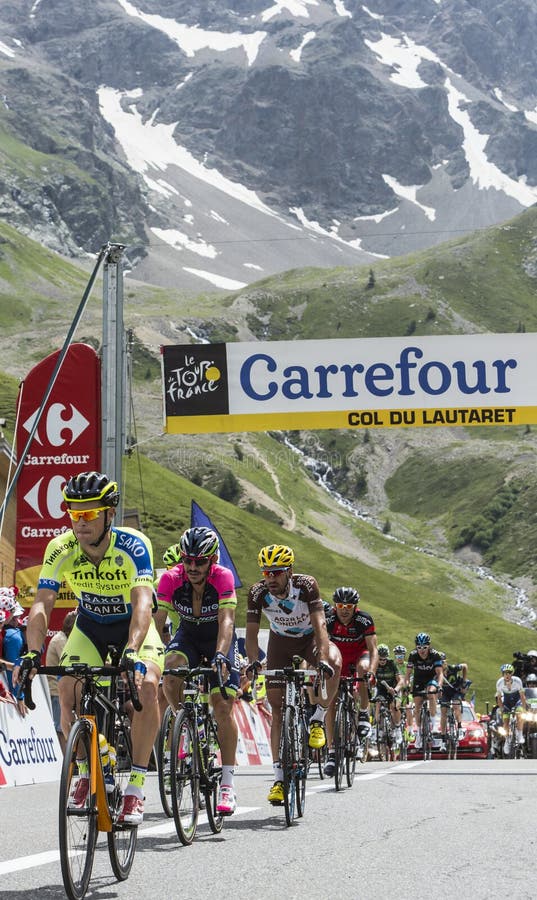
x: 474, y: 744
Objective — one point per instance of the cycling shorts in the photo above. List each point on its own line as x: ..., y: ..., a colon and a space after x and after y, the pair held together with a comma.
x: 448, y: 694
x: 511, y: 705
x: 196, y: 652
x: 89, y: 642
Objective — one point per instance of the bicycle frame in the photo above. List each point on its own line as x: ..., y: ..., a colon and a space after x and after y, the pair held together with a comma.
x: 294, y: 751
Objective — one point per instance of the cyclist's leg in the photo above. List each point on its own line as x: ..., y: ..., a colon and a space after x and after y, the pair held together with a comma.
x: 418, y: 702
x: 179, y: 652
x: 144, y: 726
x: 228, y: 731
x: 78, y: 648
x: 145, y: 723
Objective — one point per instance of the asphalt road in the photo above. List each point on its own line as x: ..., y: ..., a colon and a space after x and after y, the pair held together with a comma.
x: 450, y: 829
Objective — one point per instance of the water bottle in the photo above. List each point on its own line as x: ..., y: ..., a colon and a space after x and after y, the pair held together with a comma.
x: 108, y: 760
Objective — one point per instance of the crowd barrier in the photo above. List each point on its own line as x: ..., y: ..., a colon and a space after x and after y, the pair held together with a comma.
x: 30, y: 752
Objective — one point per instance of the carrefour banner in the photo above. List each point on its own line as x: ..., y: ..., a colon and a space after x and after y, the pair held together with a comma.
x: 477, y: 379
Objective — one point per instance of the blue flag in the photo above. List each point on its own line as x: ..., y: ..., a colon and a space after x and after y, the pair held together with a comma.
x: 197, y: 518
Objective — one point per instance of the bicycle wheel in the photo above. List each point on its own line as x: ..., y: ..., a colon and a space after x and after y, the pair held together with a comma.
x: 163, y: 761
x: 382, y: 738
x: 289, y: 764
x: 122, y: 839
x: 351, y: 746
x: 77, y: 825
x: 403, y: 746
x: 319, y: 756
x: 211, y: 775
x: 426, y: 735
x: 302, y: 770
x: 340, y: 743
x: 452, y: 738
x: 184, y: 778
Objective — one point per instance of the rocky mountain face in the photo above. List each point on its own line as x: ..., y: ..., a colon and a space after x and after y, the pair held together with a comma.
x: 230, y: 139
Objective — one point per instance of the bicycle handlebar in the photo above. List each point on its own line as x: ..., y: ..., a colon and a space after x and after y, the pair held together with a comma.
x: 80, y: 671
x: 190, y: 674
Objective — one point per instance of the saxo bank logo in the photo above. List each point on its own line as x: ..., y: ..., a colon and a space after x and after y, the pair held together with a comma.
x: 63, y: 425
x: 196, y: 380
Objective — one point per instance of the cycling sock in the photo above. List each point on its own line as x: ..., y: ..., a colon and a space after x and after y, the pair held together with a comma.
x: 136, y: 781
x: 319, y: 714
x: 227, y: 776
x: 278, y: 771
x: 82, y: 767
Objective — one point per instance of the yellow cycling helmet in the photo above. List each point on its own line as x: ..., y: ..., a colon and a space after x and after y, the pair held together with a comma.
x: 275, y: 556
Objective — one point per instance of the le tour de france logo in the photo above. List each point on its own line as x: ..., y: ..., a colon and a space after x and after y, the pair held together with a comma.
x: 196, y: 380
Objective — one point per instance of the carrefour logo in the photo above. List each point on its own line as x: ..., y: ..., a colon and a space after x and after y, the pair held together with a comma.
x: 263, y: 378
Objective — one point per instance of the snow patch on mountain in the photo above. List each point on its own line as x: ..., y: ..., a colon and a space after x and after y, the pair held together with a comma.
x: 192, y: 38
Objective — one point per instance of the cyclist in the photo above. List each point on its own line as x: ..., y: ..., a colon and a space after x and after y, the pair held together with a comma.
x: 453, y: 687
x: 203, y: 594
x: 110, y: 571
x: 424, y: 669
x: 352, y: 630
x: 389, y: 684
x: 294, y: 609
x: 399, y: 655
x: 511, y: 696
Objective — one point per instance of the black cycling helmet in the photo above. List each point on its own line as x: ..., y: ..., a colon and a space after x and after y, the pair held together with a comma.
x: 346, y: 595
x: 423, y: 639
x: 91, y: 486
x: 199, y: 541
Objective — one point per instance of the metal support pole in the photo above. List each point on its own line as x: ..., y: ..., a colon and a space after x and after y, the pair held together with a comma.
x: 113, y: 378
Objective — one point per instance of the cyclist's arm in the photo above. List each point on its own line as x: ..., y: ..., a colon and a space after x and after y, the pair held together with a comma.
x: 160, y: 617
x: 38, y: 619
x: 408, y: 676
x: 142, y: 610
x: 318, y: 623
x: 252, y: 641
x: 226, y: 624
x: 439, y: 675
x: 371, y: 644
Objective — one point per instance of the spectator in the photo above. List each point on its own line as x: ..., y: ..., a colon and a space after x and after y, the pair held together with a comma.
x: 14, y: 642
x: 54, y: 652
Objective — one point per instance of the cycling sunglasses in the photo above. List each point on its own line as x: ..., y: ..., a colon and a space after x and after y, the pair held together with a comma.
x: 197, y: 561
x: 273, y: 572
x: 89, y: 515
x: 345, y: 605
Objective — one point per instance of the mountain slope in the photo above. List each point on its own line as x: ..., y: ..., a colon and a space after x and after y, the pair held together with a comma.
x: 225, y: 142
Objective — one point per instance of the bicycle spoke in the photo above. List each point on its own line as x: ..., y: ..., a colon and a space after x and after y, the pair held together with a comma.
x: 163, y: 761
x: 77, y: 824
x: 184, y: 781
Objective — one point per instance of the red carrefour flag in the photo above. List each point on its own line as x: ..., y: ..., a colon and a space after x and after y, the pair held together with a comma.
x: 67, y: 441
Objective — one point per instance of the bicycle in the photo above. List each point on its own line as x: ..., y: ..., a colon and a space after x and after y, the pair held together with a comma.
x: 194, y: 754
x: 452, y: 729
x: 79, y: 827
x: 385, y: 737
x: 345, y: 734
x: 515, y: 750
x: 425, y: 724
x: 294, y: 748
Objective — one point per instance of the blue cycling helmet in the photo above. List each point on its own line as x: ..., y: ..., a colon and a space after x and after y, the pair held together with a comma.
x: 423, y: 639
